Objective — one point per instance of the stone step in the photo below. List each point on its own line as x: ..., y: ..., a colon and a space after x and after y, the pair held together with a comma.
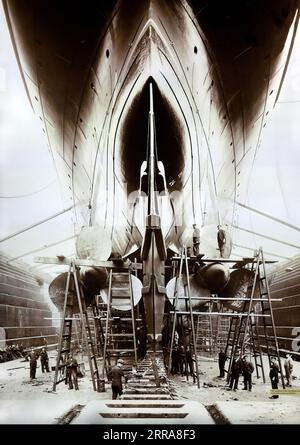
x: 146, y: 397
x: 155, y: 411
x: 146, y: 386
x: 141, y: 391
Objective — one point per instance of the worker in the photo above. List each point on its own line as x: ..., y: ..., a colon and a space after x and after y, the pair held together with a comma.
x: 45, y: 343
x: 288, y: 367
x: 196, y: 240
x: 71, y: 374
x: 274, y: 371
x: 247, y: 370
x: 181, y: 359
x: 44, y: 360
x: 235, y: 373
x: 221, y: 237
x: 222, y: 360
x: 175, y: 362
x: 190, y: 363
x: 32, y: 356
x: 116, y: 379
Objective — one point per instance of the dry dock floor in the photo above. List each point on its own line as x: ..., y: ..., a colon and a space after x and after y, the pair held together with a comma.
x: 23, y: 401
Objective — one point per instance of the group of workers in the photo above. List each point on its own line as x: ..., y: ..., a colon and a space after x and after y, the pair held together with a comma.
x: 221, y: 239
x: 183, y: 361
x: 245, y: 367
x: 33, y: 357
x: 11, y: 352
x: 71, y: 366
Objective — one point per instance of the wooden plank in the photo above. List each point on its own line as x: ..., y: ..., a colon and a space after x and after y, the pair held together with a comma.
x: 82, y: 262
x: 221, y: 314
x: 223, y: 260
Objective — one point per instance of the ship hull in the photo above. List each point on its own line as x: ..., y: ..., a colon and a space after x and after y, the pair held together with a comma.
x: 25, y: 316
x: 217, y: 75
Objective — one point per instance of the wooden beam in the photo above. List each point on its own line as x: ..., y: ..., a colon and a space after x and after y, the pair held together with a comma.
x: 212, y: 299
x: 89, y: 263
x: 221, y: 314
x: 223, y: 260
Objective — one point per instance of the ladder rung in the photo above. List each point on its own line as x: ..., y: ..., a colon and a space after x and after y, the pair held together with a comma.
x: 125, y: 303
x: 120, y: 350
x: 120, y: 335
x: 120, y: 288
x: 122, y: 297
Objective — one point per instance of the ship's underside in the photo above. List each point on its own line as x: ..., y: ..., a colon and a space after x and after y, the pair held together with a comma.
x: 216, y: 71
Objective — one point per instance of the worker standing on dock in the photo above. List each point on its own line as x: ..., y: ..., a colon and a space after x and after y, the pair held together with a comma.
x: 235, y: 373
x: 274, y: 371
x: 288, y: 367
x: 116, y: 379
x: 222, y: 360
x: 247, y: 369
x: 32, y: 356
x: 72, y: 368
x: 190, y: 363
x: 44, y: 360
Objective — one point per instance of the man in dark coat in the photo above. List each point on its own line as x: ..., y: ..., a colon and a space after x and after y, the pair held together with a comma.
x: 44, y: 360
x: 196, y: 239
x: 190, y: 363
x: 175, y: 362
x: 32, y: 356
x: 181, y: 359
x: 116, y: 379
x: 274, y: 371
x: 221, y: 237
x: 222, y: 360
x: 247, y: 370
x: 72, y: 367
x: 235, y: 373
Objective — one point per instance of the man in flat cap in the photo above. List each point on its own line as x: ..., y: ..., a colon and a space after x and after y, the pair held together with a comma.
x: 116, y: 379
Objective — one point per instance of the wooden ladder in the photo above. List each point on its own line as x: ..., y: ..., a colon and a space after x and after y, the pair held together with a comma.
x: 183, y: 270
x: 120, y: 331
x: 74, y: 290
x: 243, y: 328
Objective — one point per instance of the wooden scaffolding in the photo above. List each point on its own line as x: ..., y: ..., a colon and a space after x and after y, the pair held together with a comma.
x: 243, y: 326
